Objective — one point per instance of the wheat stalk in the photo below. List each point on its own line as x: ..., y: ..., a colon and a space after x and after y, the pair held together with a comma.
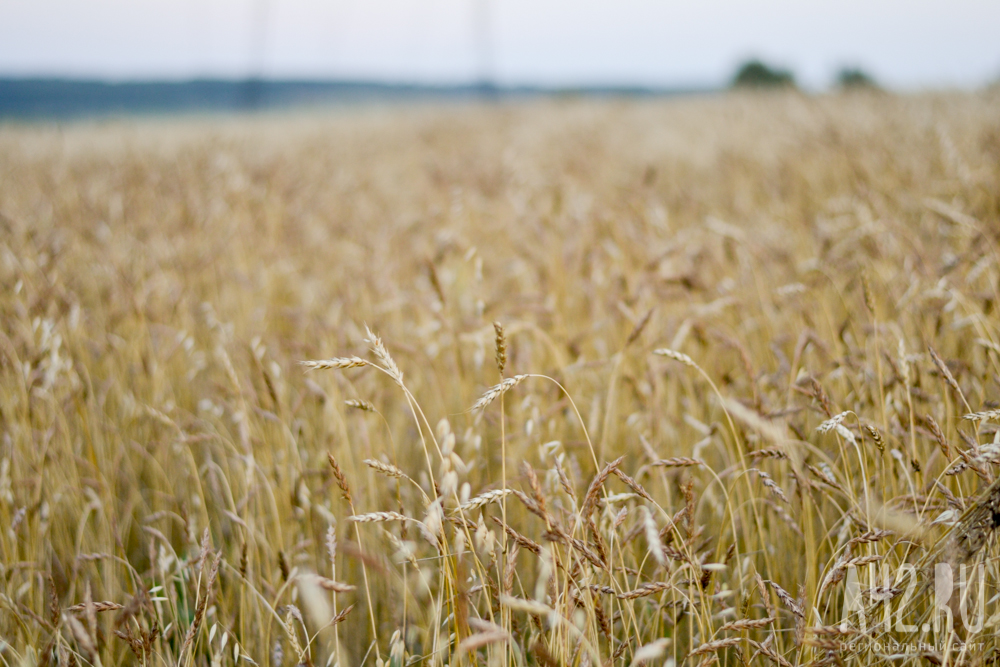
x: 372, y: 517
x: 494, y: 392
x: 96, y: 606
x: 335, y: 362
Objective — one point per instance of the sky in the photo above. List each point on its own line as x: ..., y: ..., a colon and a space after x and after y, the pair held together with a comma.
x: 908, y: 45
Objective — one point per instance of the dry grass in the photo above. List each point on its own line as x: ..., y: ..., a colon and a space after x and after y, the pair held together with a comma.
x: 819, y: 278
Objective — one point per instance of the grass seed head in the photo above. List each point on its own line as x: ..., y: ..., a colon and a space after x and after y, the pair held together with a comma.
x: 501, y: 347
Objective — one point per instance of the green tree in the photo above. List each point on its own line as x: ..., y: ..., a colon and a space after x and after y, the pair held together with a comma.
x: 756, y: 74
x: 855, y: 78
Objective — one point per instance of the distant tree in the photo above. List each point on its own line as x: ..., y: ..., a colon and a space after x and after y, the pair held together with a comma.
x: 855, y: 78
x: 755, y: 74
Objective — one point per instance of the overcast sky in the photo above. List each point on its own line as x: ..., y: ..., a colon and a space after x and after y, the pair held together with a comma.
x: 905, y: 43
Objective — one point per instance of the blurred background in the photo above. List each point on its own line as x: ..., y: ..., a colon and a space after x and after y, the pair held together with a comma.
x: 66, y: 56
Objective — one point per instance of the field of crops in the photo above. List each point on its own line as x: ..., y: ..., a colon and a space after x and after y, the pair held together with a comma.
x: 588, y: 382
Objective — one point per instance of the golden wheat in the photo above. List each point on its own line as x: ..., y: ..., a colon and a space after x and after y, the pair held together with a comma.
x: 764, y: 329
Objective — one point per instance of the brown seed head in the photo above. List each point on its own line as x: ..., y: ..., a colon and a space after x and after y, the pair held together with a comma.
x: 501, y: 347
x: 338, y: 475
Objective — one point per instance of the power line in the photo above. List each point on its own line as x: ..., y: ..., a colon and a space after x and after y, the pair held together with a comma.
x: 483, y: 38
x: 254, y: 84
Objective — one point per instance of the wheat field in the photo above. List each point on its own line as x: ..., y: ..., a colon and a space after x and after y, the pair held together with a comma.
x: 587, y: 382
